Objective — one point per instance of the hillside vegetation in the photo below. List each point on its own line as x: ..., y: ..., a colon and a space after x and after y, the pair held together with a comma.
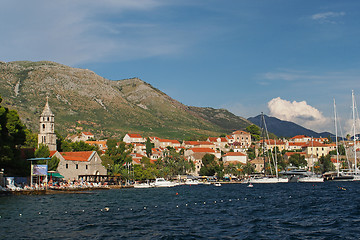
x: 81, y: 100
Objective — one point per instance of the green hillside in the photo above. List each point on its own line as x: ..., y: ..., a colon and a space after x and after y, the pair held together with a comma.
x: 83, y: 101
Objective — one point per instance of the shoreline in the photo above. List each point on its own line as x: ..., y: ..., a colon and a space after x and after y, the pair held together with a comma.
x: 77, y: 190
x: 60, y: 191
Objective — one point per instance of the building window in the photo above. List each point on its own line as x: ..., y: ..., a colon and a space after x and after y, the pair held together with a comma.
x: 86, y: 166
x: 43, y: 126
x: 77, y: 166
x: 66, y: 166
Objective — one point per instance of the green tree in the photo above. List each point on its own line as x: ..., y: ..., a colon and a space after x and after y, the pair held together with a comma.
x: 255, y: 131
x: 12, y: 137
x: 324, y: 164
x: 297, y: 160
x: 42, y: 151
x: 173, y: 163
x: 248, y: 168
x: 251, y: 153
x: 53, y: 164
x: 31, y: 139
x: 210, y: 166
x: 82, y: 146
x: 148, y: 146
x: 117, y: 158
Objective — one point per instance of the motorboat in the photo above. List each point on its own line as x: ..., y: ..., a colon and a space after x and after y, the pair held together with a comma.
x: 190, y: 181
x: 311, y: 179
x: 161, y: 182
x: 250, y: 185
x: 268, y: 180
x: 341, y: 176
x: 217, y: 184
x: 143, y: 185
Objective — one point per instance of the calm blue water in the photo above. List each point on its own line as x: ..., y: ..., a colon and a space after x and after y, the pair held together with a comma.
x: 233, y: 211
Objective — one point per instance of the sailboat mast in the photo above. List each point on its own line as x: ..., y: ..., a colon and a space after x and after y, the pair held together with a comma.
x: 354, y: 126
x: 263, y: 138
x: 336, y: 139
x: 276, y: 167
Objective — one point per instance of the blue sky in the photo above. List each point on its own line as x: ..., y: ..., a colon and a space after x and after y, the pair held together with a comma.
x: 288, y: 59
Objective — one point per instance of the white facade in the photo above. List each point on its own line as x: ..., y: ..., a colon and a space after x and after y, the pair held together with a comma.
x: 235, y: 157
x: 47, y: 134
x: 73, y: 164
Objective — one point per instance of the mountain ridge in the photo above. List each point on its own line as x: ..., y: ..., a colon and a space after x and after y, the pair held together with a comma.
x: 83, y: 100
x: 283, y: 128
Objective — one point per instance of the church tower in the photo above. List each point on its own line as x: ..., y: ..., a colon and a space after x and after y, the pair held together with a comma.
x: 47, y: 134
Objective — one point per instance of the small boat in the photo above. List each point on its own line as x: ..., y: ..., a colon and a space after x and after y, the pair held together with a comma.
x: 143, y: 185
x: 311, y: 179
x: 161, y: 182
x: 250, y: 185
x: 267, y: 180
x: 217, y: 184
x: 190, y: 181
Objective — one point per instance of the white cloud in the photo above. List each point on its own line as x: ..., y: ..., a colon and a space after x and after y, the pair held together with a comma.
x: 300, y: 113
x: 327, y: 17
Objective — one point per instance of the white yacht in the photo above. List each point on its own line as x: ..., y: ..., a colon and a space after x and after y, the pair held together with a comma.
x: 143, y: 185
x: 161, y: 182
x: 190, y: 181
x: 268, y: 180
x: 312, y: 179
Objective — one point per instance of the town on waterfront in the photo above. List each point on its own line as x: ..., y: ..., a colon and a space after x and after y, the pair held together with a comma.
x: 80, y: 161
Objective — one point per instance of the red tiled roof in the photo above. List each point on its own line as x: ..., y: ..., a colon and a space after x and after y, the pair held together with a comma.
x: 292, y: 153
x: 52, y: 153
x: 318, y: 144
x: 241, y: 132
x: 87, y: 133
x: 206, y: 150
x: 191, y: 143
x: 234, y: 154
x: 300, y: 144
x: 299, y: 136
x: 138, y: 144
x: 77, y: 156
x: 169, y: 140
x: 134, y: 135
x: 213, y: 139
x: 272, y: 142
x: 136, y: 161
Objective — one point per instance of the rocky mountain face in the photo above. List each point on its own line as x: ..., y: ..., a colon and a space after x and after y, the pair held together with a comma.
x: 81, y: 100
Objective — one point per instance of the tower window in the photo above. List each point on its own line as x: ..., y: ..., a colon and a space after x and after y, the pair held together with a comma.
x: 77, y: 166
x: 43, y: 126
x: 67, y: 166
x: 86, y: 166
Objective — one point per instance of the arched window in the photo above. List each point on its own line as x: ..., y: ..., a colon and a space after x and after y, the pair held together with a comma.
x: 43, y: 126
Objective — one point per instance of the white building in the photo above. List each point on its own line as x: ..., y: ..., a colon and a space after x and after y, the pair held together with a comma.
x: 74, y: 164
x: 47, y: 134
x: 237, y: 157
x: 133, y: 138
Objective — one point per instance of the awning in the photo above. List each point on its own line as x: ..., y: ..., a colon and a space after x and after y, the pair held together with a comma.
x: 57, y: 175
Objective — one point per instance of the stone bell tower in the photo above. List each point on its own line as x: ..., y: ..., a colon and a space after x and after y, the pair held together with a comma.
x: 47, y: 134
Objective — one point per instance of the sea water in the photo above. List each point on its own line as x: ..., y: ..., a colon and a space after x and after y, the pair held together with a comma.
x: 329, y: 210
